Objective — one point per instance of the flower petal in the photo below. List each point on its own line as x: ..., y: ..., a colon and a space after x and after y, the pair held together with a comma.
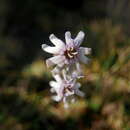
x: 78, y: 68
x: 69, y: 93
x: 52, y: 50
x: 64, y: 73
x: 77, y: 91
x: 84, y: 59
x: 68, y: 39
x: 85, y: 50
x: 58, y: 79
x: 56, y: 70
x: 59, y: 60
x: 53, y: 84
x: 56, y: 98
x: 79, y: 38
x: 77, y: 85
x: 56, y: 41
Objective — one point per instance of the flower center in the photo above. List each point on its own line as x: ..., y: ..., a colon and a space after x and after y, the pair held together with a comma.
x: 67, y: 89
x: 70, y: 53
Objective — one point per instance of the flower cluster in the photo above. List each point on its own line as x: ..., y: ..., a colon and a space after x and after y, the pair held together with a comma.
x: 66, y: 66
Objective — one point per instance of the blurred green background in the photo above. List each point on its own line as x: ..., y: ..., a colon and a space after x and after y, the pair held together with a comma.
x: 25, y: 99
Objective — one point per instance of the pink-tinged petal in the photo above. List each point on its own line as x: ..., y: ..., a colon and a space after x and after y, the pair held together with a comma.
x: 52, y: 50
x: 60, y: 92
x: 79, y: 38
x: 85, y: 50
x: 56, y: 41
x: 68, y: 39
x: 56, y: 60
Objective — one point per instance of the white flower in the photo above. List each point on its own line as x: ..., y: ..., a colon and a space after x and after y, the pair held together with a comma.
x: 66, y: 59
x: 69, y: 53
x: 64, y: 89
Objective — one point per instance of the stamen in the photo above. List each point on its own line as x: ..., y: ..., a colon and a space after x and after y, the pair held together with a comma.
x: 69, y: 55
x: 74, y: 53
x: 71, y: 49
x: 67, y: 89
